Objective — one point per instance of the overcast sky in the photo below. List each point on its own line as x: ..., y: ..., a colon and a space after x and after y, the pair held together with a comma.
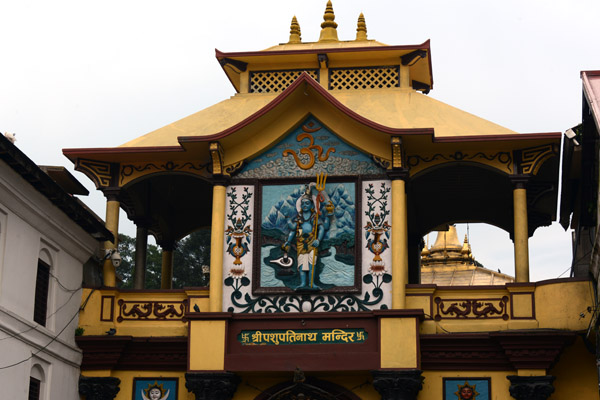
x: 98, y: 74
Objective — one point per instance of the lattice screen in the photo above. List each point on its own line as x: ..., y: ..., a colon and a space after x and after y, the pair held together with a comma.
x: 364, y: 78
x: 276, y: 81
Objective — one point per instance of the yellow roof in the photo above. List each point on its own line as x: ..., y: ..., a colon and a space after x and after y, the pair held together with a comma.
x: 394, y: 108
x: 342, y: 44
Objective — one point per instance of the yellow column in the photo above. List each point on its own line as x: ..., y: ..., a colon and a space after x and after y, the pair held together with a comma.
x: 521, y: 234
x: 216, y: 248
x: 244, y: 81
x: 399, y: 244
x: 166, y: 273
x: 112, y: 224
x: 404, y: 76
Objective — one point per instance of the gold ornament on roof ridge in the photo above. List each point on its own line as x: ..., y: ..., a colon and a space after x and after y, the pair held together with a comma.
x: 361, y: 28
x: 295, y: 35
x: 328, y: 27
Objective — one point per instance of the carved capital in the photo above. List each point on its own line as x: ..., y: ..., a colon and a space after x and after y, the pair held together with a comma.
x: 398, y: 385
x: 212, y: 386
x: 396, y: 174
x: 99, y: 388
x: 216, y: 155
x: 531, y: 387
x: 397, y: 153
x: 519, y: 181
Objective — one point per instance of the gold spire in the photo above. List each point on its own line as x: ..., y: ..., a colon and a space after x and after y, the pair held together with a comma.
x: 466, y: 247
x: 328, y: 27
x: 361, y: 28
x: 295, y: 31
x: 447, y: 240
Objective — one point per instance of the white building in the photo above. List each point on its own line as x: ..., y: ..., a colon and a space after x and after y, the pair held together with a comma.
x: 46, y: 237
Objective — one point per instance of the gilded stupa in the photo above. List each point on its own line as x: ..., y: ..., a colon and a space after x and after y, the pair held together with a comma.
x: 450, y: 263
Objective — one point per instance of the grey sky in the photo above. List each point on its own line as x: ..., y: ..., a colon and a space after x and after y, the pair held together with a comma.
x: 96, y: 74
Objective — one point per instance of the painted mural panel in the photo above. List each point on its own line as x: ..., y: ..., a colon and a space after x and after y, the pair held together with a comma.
x: 467, y: 389
x: 307, y: 237
x: 373, y: 267
x: 155, y: 389
x: 308, y: 150
x: 308, y: 228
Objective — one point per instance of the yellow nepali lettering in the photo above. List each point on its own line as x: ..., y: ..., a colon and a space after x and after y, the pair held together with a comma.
x: 327, y: 336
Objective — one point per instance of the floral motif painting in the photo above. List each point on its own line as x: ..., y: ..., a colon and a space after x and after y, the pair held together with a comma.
x: 467, y: 389
x: 155, y: 388
x: 307, y: 237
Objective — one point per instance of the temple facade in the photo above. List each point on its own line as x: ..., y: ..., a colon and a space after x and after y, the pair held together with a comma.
x: 318, y: 180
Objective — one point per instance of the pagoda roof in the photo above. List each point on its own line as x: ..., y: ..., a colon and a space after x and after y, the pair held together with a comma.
x: 391, y: 108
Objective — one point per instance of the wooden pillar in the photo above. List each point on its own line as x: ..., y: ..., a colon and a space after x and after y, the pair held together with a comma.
x: 141, y: 248
x: 521, y: 231
x: 112, y: 224
x: 216, y: 247
x: 166, y: 272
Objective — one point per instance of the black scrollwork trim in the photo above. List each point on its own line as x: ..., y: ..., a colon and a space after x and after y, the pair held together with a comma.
x: 306, y: 302
x: 151, y: 310
x: 382, y: 162
x: 502, y: 157
x: 471, y: 308
x: 129, y: 169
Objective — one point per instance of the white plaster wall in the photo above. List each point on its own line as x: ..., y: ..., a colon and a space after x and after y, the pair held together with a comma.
x: 31, y: 228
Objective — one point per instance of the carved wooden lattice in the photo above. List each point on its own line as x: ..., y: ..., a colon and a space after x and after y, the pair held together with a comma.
x: 276, y: 81
x: 364, y: 78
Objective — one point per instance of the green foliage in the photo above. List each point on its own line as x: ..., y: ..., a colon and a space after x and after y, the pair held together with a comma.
x: 191, y: 254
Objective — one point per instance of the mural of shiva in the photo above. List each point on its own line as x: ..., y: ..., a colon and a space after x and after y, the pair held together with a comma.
x: 308, y: 235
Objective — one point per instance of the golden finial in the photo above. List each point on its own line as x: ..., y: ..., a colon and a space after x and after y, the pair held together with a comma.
x: 328, y: 27
x: 295, y: 31
x: 466, y: 247
x: 361, y: 28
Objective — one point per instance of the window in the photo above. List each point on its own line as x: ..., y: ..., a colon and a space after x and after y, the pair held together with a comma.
x: 37, y: 379
x: 41, y: 293
x: 34, y: 388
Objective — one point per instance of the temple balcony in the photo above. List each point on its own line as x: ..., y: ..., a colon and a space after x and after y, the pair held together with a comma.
x: 445, y: 309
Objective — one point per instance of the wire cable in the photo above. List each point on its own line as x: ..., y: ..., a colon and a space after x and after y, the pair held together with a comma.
x: 47, y: 318
x: 55, y: 337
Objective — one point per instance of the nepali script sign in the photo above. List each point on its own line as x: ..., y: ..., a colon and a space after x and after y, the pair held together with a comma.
x: 304, y: 336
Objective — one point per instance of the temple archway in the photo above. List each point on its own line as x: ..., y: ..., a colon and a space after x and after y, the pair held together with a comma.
x: 307, y: 389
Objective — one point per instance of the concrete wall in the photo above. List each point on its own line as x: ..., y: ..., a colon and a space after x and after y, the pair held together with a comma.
x: 32, y: 228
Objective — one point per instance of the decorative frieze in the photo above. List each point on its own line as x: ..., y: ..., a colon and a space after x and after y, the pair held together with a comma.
x: 130, y: 172
x: 502, y: 160
x: 487, y: 308
x: 131, y: 310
